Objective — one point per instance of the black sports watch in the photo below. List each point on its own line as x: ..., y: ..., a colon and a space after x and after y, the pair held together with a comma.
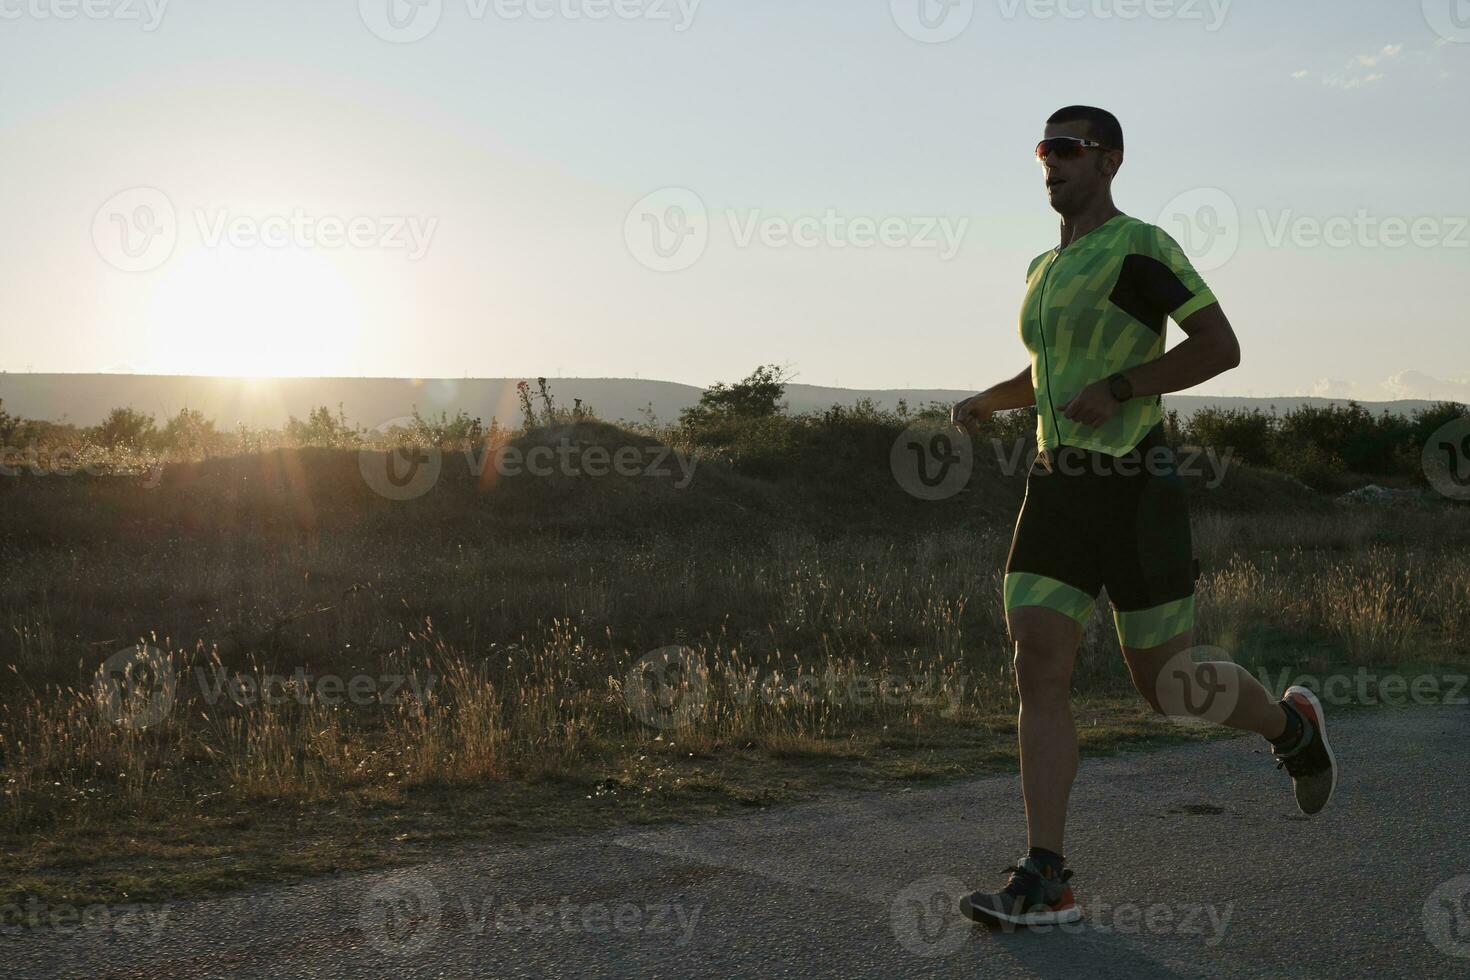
x: 1120, y: 387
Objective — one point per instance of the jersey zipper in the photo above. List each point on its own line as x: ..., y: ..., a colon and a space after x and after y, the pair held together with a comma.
x: 1045, y: 354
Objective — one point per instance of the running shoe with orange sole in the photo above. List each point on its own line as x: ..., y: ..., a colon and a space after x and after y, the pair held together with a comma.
x: 1311, y: 765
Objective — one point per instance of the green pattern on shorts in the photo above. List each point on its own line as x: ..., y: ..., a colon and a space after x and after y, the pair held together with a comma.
x: 1145, y: 628
x: 1030, y: 589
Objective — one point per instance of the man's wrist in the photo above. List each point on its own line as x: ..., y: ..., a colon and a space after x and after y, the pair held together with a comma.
x: 1120, y: 387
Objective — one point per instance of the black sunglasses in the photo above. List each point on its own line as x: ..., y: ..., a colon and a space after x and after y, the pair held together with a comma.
x: 1066, y: 147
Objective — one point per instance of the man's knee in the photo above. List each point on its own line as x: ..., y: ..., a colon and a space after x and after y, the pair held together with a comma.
x: 1046, y: 647
x: 1042, y: 673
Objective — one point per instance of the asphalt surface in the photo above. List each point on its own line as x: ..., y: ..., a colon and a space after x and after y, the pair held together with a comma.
x: 1190, y: 862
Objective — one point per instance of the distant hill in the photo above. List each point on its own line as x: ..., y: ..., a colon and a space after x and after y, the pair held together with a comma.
x: 85, y: 399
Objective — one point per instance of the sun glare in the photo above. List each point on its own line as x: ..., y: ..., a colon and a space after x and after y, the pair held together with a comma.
x: 254, y: 313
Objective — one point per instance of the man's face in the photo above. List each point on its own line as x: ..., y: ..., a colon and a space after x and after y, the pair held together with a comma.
x: 1071, y: 185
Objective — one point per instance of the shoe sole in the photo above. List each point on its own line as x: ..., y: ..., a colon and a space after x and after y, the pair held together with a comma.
x: 1049, y: 917
x: 1322, y: 734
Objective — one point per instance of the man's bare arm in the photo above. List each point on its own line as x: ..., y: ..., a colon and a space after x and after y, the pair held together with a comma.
x: 1011, y: 393
x: 1210, y: 348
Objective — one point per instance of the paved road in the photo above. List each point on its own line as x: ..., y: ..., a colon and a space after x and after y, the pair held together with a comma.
x: 1191, y: 862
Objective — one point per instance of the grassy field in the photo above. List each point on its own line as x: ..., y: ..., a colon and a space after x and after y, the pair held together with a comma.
x: 332, y: 679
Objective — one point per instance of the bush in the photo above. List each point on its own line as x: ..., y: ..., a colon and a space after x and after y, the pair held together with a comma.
x: 1316, y: 467
x: 1426, y: 421
x: 126, y: 429
x: 461, y: 430
x: 8, y: 424
x: 321, y: 428
x: 189, y: 432
x: 756, y: 397
x: 1248, y: 434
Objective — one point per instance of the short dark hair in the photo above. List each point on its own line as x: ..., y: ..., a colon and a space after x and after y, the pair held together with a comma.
x: 1102, y: 125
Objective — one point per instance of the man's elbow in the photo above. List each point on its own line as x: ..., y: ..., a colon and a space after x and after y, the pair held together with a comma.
x: 1224, y: 346
x: 1229, y: 353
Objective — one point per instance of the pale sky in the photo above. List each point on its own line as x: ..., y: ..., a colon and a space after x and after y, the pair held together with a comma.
x: 313, y: 188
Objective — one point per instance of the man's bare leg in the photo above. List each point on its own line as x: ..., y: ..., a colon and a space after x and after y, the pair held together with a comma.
x: 1255, y: 710
x: 1046, y: 649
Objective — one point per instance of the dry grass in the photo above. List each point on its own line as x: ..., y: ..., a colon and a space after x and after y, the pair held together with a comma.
x: 521, y: 636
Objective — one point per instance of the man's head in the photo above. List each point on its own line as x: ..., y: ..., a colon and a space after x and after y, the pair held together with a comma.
x: 1076, y: 174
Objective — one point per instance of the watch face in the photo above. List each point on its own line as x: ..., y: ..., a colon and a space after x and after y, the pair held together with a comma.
x: 1121, y: 388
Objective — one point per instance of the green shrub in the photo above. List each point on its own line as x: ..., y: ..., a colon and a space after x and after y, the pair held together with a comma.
x: 1249, y: 434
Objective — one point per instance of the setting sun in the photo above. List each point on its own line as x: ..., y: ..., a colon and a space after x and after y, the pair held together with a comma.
x: 253, y: 312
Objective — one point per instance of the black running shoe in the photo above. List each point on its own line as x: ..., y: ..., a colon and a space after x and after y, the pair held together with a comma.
x: 1033, y: 896
x: 1312, y: 765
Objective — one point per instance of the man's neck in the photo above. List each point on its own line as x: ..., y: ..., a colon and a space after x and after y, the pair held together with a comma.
x: 1074, y: 226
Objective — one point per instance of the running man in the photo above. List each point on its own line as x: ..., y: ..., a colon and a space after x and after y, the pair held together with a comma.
x: 1105, y: 506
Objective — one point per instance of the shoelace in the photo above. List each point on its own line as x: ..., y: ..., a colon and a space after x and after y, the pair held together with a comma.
x: 1299, y: 762
x: 1017, y: 882
x: 1019, y: 877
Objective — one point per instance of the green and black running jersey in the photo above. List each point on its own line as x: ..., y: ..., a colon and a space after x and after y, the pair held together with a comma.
x: 1097, y: 307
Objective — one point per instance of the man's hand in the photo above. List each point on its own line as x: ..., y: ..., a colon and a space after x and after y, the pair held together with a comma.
x: 1093, y: 405
x: 971, y: 412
